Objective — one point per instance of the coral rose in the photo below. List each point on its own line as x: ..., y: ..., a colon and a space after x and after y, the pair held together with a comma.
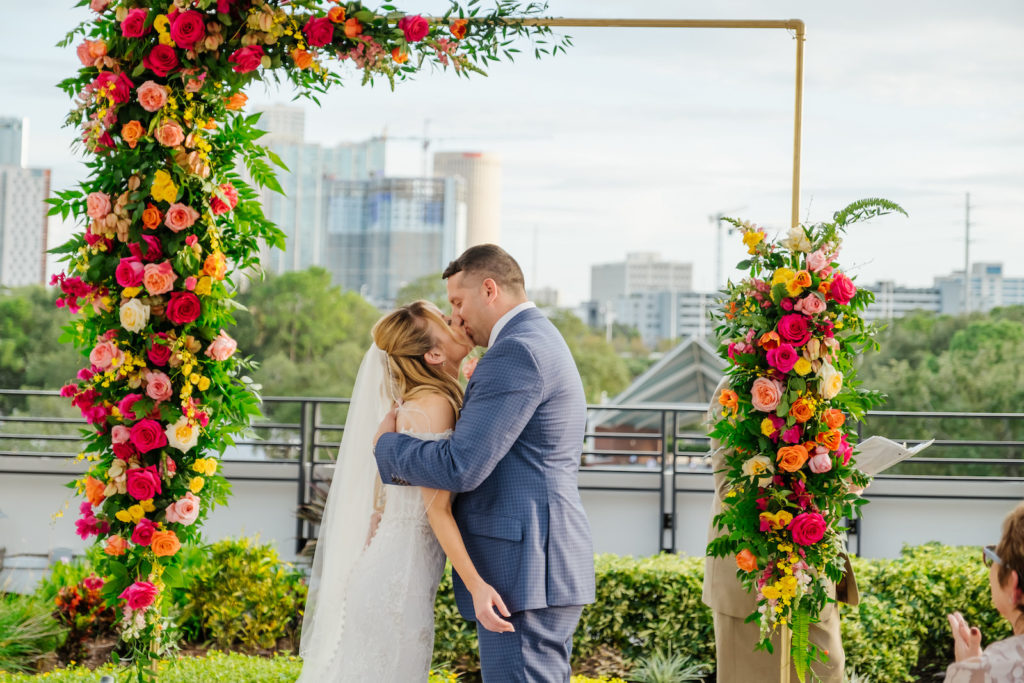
x: 765, y: 394
x: 302, y: 58
x: 159, y: 278
x: 152, y: 96
x: 746, y: 561
x: 180, y: 216
x: 158, y: 385
x: 169, y: 134
x: 808, y: 528
x: 164, y: 543
x: 104, y: 354
x: 94, y: 491
x: 353, y: 28
x: 116, y: 546
x: 97, y: 205
x: 131, y: 132
x: 791, y: 458
x: 222, y: 347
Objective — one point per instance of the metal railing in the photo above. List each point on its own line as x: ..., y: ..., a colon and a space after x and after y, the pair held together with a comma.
x: 670, y: 442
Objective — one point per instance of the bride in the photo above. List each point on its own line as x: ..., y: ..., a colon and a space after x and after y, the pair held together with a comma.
x: 380, y: 555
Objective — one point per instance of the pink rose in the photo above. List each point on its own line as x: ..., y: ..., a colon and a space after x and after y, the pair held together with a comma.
x: 765, y: 394
x: 219, y: 206
x: 842, y: 289
x: 161, y: 60
x: 811, y: 305
x: 99, y: 5
x: 792, y: 435
x: 97, y: 205
x: 184, y: 511
x: 159, y: 279
x: 783, y: 357
x: 120, y: 434
x: 180, y: 216
x: 104, y: 354
x: 84, y: 54
x: 147, y: 434
x: 187, y: 29
x: 794, y: 329
x: 221, y: 347
x: 817, y: 260
x: 169, y: 133
x: 319, y: 31
x: 129, y: 272
x: 415, y: 28
x: 820, y: 462
x: 143, y: 483
x: 152, y: 96
x: 134, y: 25
x: 184, y: 307
x: 158, y: 386
x: 246, y: 59
x: 845, y: 451
x: 469, y: 367
x: 124, y: 406
x: 807, y: 528
x: 139, y: 595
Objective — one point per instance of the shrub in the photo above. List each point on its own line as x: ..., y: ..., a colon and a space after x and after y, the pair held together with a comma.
x: 27, y: 632
x: 82, y: 610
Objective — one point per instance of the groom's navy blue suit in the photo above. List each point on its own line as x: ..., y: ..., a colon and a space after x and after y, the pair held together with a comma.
x: 513, y: 459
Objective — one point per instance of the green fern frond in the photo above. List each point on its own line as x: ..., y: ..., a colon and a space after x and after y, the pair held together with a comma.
x: 864, y: 209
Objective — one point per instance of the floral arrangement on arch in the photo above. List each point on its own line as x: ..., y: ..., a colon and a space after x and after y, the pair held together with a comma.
x: 168, y: 220
x: 791, y: 331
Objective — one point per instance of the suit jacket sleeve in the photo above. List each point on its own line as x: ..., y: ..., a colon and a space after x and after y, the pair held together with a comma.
x: 506, y: 388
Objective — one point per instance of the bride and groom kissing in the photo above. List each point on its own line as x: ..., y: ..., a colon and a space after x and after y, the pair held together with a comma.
x: 487, y: 478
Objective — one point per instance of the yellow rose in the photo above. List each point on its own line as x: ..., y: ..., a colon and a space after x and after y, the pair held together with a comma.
x: 752, y: 239
x: 196, y: 485
x: 783, y: 275
x: 767, y: 427
x: 163, y: 188
x: 802, y: 367
x: 203, y: 287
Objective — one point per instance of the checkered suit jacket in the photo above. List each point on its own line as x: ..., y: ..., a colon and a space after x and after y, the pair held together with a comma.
x: 513, y: 459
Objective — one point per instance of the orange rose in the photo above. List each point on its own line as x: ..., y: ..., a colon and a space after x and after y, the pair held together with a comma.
x: 830, y: 439
x: 131, y: 132
x: 216, y: 265
x: 802, y: 279
x: 770, y: 340
x: 834, y: 418
x: 302, y: 59
x: 94, y: 491
x: 151, y: 217
x: 459, y: 28
x: 97, y: 48
x: 399, y: 55
x: 337, y: 15
x: 801, y: 410
x: 165, y: 543
x: 353, y: 28
x: 116, y: 546
x: 791, y: 458
x: 236, y: 101
x: 746, y: 561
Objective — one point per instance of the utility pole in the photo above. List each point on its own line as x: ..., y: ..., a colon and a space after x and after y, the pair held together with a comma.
x: 967, y: 249
x: 717, y: 220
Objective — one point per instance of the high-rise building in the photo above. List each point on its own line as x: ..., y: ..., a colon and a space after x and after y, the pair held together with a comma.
x: 482, y: 175
x: 13, y: 136
x: 895, y: 301
x: 23, y: 209
x: 640, y: 272
x: 988, y: 287
x: 386, y: 232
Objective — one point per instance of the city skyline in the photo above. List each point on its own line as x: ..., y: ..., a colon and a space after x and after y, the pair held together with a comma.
x: 632, y: 140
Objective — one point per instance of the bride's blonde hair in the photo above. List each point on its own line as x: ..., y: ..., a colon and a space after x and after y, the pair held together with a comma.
x: 405, y: 337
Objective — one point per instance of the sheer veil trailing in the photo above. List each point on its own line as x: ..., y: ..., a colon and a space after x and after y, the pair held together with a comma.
x: 347, y: 513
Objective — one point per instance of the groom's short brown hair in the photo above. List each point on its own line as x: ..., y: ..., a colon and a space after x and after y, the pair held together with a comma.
x: 490, y: 261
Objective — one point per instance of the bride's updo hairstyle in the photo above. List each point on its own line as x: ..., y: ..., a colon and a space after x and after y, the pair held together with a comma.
x: 405, y: 337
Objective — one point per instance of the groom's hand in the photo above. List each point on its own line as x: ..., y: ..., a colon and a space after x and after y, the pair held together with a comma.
x: 388, y: 424
x: 485, y: 601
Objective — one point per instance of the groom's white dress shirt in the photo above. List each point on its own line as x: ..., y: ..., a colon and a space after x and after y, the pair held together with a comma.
x: 503, y: 320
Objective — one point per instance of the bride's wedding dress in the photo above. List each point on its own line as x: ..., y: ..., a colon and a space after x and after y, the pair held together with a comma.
x: 370, y: 613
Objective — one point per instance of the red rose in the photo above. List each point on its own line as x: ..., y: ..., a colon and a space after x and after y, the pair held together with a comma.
x: 807, y: 528
x: 124, y: 451
x: 143, y: 483
x: 188, y: 29
x: 161, y: 60
x: 120, y: 87
x: 218, y: 206
x: 159, y: 354
x: 184, y: 307
x: 134, y: 25
x: 153, y: 249
x: 794, y: 329
x: 415, y: 28
x: 319, y: 31
x: 246, y: 59
x: 148, y: 434
x: 842, y: 289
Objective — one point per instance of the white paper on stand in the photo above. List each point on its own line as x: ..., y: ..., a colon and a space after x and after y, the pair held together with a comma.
x: 877, y: 454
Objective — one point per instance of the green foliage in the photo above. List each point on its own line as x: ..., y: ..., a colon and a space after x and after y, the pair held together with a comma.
x: 665, y: 666
x: 429, y: 287
x: 27, y: 632
x: 600, y: 367
x: 241, y: 594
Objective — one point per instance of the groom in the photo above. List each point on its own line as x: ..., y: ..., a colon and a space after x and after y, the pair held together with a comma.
x: 513, y: 459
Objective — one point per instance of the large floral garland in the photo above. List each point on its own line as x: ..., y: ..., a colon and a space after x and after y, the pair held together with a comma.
x: 791, y: 331
x: 168, y: 220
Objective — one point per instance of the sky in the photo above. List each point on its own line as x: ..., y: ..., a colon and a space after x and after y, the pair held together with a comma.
x: 632, y: 140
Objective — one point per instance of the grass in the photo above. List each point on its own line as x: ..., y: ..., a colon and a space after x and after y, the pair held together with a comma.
x: 27, y: 632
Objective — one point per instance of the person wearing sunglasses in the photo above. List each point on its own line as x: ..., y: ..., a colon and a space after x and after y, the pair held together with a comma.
x: 1002, y: 660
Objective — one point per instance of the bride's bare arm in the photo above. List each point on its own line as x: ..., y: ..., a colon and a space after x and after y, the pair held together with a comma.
x: 433, y: 414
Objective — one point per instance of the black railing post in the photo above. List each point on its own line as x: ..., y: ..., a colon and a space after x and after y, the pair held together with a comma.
x: 305, y: 460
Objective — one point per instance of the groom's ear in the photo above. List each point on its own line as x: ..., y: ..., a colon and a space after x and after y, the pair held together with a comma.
x: 490, y: 289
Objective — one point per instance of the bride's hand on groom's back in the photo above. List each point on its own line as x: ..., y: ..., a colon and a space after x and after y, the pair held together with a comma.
x: 485, y: 601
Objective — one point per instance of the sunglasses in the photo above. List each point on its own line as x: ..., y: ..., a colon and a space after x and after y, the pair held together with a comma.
x: 988, y: 556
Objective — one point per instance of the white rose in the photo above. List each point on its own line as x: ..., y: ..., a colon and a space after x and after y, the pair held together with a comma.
x: 758, y: 466
x: 796, y: 240
x: 134, y: 316
x: 182, y: 435
x: 831, y: 381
